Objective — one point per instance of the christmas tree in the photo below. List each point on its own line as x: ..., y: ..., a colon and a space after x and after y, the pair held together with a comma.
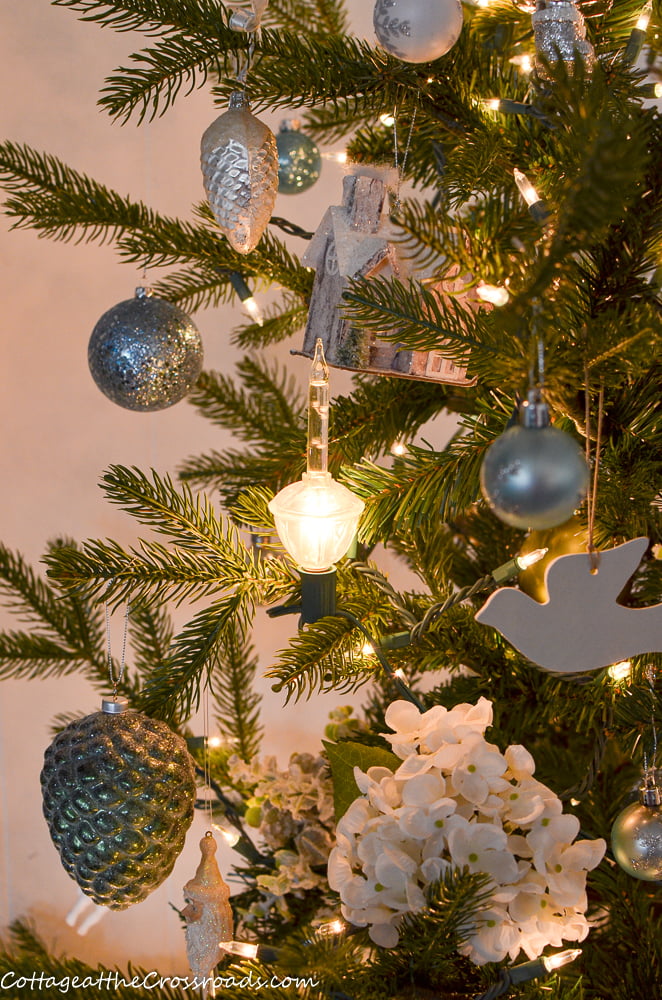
x: 499, y: 244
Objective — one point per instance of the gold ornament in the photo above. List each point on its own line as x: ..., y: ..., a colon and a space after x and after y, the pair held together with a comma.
x: 208, y: 913
x: 564, y: 540
x: 239, y: 162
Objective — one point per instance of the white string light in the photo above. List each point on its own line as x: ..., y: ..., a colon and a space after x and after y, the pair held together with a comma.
x: 620, y: 671
x: 497, y: 295
x: 331, y: 929
x: 552, y: 962
x: 252, y: 307
x: 645, y: 17
x: 244, y: 949
x: 523, y: 62
x: 531, y: 558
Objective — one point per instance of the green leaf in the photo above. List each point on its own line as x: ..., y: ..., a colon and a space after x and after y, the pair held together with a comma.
x: 343, y: 758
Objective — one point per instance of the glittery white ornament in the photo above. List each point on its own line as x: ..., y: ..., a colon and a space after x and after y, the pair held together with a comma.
x: 239, y: 163
x: 560, y: 32
x: 208, y: 913
x: 417, y: 31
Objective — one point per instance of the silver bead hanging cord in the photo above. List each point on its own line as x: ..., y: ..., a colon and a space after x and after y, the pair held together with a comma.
x: 650, y: 765
x: 116, y: 681
x: 206, y: 764
x: 539, y: 360
x: 396, y: 155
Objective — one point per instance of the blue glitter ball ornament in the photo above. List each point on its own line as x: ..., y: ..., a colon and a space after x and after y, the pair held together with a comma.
x: 299, y: 160
x: 145, y: 353
x: 534, y: 476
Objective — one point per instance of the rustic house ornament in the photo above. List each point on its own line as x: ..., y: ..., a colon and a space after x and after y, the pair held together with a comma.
x: 581, y: 626
x: 354, y: 240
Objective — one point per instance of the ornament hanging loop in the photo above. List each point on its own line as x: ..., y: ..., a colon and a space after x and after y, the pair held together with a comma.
x: 399, y: 170
x: 250, y: 22
x: 591, y: 498
x: 120, y: 703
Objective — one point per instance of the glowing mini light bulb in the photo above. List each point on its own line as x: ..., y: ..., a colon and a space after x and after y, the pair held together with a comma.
x: 497, y: 295
x: 252, y: 307
x: 535, y: 204
x: 531, y: 558
x: 245, y: 949
x: 526, y: 188
x: 317, y: 517
x: 645, y: 17
x: 552, y: 962
x: 620, y: 671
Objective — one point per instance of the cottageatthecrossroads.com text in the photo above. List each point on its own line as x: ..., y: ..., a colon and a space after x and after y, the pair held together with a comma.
x: 149, y: 981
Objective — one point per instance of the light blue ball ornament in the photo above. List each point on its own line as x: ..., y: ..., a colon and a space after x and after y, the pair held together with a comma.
x: 299, y: 159
x: 534, y: 476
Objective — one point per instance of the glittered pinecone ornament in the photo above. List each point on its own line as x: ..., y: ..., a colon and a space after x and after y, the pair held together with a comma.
x: 299, y: 160
x: 207, y: 913
x: 239, y: 162
x: 560, y: 32
x: 534, y: 475
x: 145, y: 353
x: 118, y: 795
x: 636, y: 836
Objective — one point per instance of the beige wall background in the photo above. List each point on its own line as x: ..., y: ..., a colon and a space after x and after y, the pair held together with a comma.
x: 58, y: 432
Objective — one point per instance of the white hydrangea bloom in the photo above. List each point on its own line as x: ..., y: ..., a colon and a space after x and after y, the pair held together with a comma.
x: 456, y: 802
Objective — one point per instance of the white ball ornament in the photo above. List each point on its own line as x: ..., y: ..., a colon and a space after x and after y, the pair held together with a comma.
x: 417, y: 31
x: 636, y: 837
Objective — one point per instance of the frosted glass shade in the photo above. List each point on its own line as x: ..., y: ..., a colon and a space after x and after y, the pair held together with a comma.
x: 316, y: 520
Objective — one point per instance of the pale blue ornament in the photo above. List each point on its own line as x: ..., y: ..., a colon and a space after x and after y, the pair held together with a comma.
x: 534, y: 476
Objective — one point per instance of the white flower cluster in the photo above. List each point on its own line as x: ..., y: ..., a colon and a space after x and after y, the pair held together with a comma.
x: 457, y: 803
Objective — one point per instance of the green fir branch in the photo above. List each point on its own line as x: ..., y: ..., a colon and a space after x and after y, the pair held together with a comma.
x: 149, y: 16
x: 418, y: 317
x: 63, y: 204
x: 178, y: 62
x: 174, y: 688
x: 329, y: 654
x: 233, y: 675
x: 325, y: 17
x: 280, y: 321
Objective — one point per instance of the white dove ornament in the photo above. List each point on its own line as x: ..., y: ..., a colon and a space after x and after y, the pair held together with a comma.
x: 580, y: 627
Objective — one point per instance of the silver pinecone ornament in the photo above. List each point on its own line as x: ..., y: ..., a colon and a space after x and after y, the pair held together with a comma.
x: 239, y: 162
x: 118, y: 795
x: 560, y: 31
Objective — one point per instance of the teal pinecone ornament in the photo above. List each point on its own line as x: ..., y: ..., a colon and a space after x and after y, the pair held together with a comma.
x: 118, y: 796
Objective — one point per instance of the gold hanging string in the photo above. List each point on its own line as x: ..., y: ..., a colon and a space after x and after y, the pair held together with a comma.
x: 592, y: 492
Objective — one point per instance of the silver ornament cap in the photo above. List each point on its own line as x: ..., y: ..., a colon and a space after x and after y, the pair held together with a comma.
x: 239, y: 161
x: 114, y: 705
